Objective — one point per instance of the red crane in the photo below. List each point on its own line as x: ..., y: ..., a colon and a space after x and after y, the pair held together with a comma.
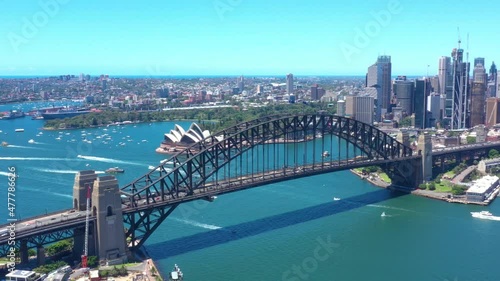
x: 87, y: 215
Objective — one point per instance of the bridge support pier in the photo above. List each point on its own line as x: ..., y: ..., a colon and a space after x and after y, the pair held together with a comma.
x: 107, y: 207
x: 24, y: 251
x: 40, y: 255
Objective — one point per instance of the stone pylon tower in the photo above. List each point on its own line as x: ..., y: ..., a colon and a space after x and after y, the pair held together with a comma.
x: 425, y: 147
x: 83, y: 180
x: 404, y: 138
x: 107, y: 209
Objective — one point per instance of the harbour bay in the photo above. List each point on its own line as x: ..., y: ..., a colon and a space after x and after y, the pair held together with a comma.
x: 266, y: 232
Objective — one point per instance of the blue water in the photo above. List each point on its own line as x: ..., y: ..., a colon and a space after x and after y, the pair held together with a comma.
x: 273, y: 232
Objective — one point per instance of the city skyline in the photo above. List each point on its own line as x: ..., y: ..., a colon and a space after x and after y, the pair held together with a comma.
x: 54, y: 37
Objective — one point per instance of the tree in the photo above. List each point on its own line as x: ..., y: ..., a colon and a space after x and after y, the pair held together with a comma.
x: 493, y: 153
x: 471, y: 139
x: 431, y: 186
x: 92, y: 261
x: 422, y: 186
x: 406, y: 122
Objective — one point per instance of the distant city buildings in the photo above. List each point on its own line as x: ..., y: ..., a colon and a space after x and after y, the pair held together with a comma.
x: 289, y: 84
x: 360, y: 108
x: 241, y: 84
x: 317, y: 92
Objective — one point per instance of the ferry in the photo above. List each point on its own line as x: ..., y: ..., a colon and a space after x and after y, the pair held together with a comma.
x: 336, y: 199
x: 114, y: 170
x: 19, y: 130
x: 484, y: 215
x: 176, y: 274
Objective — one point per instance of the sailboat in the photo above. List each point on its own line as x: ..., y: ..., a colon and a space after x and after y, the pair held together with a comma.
x: 383, y: 214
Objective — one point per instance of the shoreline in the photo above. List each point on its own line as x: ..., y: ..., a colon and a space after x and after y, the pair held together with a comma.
x: 445, y: 196
x: 133, y: 122
x: 152, y: 268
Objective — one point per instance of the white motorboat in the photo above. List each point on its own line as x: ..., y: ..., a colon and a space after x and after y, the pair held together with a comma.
x: 31, y: 141
x: 325, y: 153
x: 383, y: 214
x: 485, y: 215
x: 336, y: 199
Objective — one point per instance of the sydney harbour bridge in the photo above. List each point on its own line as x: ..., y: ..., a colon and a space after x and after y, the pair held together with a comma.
x: 247, y: 155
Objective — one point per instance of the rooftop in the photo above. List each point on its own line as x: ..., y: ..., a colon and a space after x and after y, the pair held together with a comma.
x: 482, y: 184
x: 20, y: 273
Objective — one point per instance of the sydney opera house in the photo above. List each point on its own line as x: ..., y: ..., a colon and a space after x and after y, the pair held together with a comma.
x: 179, y: 139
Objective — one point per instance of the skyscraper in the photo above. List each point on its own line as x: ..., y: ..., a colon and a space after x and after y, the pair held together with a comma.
x: 403, y: 90
x: 241, y: 84
x: 379, y: 77
x: 460, y: 106
x: 444, y: 74
x: 422, y: 91
x: 479, y: 74
x: 492, y: 81
x: 478, y: 97
x: 289, y: 83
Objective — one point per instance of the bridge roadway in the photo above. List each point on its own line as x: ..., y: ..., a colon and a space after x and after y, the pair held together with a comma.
x: 68, y: 219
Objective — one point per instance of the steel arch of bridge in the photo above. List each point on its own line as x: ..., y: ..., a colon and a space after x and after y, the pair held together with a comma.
x: 206, y: 166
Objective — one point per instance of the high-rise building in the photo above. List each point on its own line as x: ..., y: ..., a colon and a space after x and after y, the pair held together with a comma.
x: 241, y: 84
x: 478, y: 97
x: 435, y: 84
x: 379, y: 77
x: 317, y: 92
x: 363, y: 109
x: 460, y: 107
x: 434, y: 107
x: 479, y: 74
x: 341, y: 108
x: 422, y: 91
x: 349, y: 106
x: 403, y: 91
x: 492, y: 111
x: 444, y: 74
x: 289, y: 83
x: 492, y: 81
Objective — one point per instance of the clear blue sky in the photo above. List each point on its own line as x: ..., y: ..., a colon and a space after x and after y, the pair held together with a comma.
x: 219, y: 37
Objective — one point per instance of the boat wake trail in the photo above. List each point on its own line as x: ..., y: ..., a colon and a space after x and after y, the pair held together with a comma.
x: 389, y: 207
x: 5, y: 173
x: 23, y: 147
x: 35, y: 159
x: 108, y: 160
x: 197, y: 224
x: 61, y: 171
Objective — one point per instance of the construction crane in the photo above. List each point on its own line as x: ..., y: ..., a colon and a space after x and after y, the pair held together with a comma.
x: 87, y: 216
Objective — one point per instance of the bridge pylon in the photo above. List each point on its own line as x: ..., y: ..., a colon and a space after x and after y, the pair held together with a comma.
x: 107, y: 208
x: 82, y: 180
x: 425, y: 149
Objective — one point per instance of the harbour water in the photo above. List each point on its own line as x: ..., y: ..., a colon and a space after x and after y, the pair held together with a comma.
x: 292, y: 230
